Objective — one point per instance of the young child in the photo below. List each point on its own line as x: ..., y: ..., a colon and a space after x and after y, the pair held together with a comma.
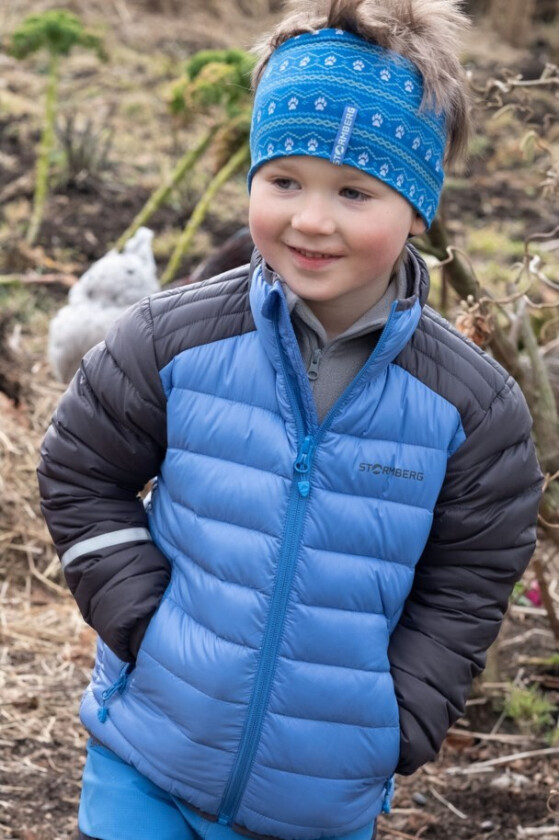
x: 346, y: 488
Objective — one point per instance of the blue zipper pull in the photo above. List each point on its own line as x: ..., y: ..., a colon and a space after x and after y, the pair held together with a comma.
x: 312, y: 371
x: 302, y: 466
x: 388, y: 794
x: 119, y: 685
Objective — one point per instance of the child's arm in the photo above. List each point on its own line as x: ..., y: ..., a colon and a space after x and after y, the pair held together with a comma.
x: 482, y: 538
x: 106, y: 440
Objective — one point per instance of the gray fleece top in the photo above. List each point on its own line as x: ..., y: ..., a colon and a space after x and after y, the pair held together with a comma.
x: 333, y: 363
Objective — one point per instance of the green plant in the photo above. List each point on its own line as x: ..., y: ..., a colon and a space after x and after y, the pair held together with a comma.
x: 529, y: 708
x: 86, y: 147
x: 215, y: 77
x: 215, y: 83
x: 57, y: 32
x: 232, y: 166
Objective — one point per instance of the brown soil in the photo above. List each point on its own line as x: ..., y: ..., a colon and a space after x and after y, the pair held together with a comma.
x: 45, y: 649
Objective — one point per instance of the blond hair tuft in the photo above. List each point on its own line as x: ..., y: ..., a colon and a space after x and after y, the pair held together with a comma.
x: 426, y: 32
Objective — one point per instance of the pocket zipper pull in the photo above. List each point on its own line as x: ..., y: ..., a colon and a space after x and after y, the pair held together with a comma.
x: 388, y: 794
x: 118, y: 686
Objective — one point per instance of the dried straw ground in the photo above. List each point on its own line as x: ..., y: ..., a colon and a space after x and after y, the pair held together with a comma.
x: 45, y: 648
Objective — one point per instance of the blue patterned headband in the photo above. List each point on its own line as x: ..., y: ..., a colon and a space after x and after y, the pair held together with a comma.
x: 333, y: 95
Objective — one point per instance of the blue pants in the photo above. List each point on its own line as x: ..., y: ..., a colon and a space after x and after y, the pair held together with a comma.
x: 118, y: 803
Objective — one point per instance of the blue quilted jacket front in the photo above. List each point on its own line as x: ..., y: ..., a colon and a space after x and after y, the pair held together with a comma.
x: 262, y: 691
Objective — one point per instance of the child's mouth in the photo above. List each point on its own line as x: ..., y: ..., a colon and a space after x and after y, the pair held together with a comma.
x: 312, y: 258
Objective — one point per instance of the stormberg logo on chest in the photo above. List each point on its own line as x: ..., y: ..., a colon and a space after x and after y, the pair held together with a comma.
x: 396, y: 472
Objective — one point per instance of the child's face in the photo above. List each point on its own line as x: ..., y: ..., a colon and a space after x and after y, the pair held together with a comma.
x: 333, y: 233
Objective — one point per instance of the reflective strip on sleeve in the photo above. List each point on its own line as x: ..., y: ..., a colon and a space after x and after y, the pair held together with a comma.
x: 105, y: 541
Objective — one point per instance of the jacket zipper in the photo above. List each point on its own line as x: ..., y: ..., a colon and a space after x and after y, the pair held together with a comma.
x: 300, y: 490
x: 250, y: 739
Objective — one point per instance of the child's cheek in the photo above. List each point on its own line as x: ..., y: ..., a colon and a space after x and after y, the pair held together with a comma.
x: 260, y: 225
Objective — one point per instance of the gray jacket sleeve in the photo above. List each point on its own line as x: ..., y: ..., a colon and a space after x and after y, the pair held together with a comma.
x: 106, y: 440
x: 482, y: 538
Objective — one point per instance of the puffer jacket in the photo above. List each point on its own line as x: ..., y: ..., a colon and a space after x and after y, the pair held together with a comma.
x: 317, y: 597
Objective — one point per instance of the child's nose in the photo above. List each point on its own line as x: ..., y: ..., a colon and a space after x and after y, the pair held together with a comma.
x: 313, y: 216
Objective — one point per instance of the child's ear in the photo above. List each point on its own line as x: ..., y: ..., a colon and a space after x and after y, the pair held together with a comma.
x: 418, y: 226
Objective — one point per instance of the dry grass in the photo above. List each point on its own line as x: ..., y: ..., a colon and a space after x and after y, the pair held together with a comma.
x: 45, y: 658
x: 46, y: 651
x: 212, y: 23
x: 24, y: 539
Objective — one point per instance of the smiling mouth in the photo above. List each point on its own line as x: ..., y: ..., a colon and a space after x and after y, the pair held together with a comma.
x: 313, y: 255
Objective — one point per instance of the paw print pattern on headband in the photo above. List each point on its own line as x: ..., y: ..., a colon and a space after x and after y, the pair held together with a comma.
x: 333, y: 94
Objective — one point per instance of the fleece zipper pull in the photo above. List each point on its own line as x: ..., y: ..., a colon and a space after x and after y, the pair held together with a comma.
x: 302, y: 466
x: 118, y: 686
x: 312, y: 371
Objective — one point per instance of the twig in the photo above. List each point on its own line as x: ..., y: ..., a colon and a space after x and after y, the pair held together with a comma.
x: 516, y: 641
x: 482, y: 766
x: 543, y: 831
x: 447, y: 804
x: 489, y: 736
x: 33, y: 277
x: 540, y: 306
x: 386, y: 829
x: 538, y: 661
x: 548, y: 479
x: 519, y: 82
x: 546, y: 597
x: 45, y: 581
x: 518, y: 609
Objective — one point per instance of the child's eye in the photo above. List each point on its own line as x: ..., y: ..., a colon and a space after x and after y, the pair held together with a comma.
x: 354, y: 194
x: 285, y: 183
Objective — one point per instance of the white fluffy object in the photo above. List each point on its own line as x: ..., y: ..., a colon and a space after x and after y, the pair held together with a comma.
x: 100, y: 296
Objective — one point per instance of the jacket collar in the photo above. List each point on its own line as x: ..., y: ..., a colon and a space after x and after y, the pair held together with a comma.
x: 418, y: 281
x: 273, y: 322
